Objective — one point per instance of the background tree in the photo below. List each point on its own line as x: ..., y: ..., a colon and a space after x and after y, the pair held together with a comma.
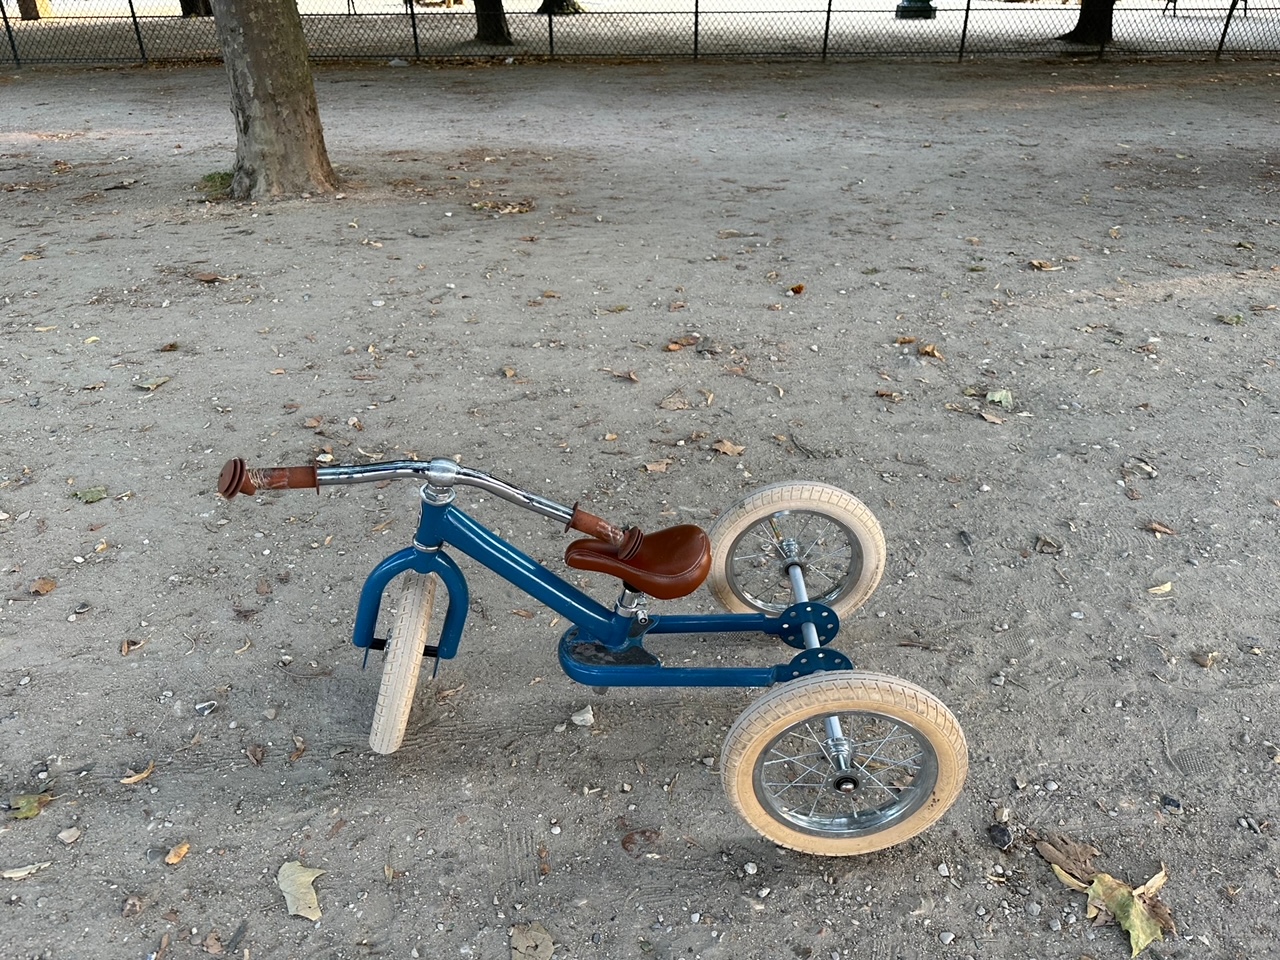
x: 195, y: 8
x: 491, y: 23
x: 34, y: 9
x: 279, y: 141
x: 1094, y: 25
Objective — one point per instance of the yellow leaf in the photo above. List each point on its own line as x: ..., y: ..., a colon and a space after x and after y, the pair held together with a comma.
x: 1069, y: 880
x: 133, y: 778
x: 1133, y: 915
x: 294, y: 881
x: 175, y: 855
x: 1164, y: 588
x: 1154, y: 885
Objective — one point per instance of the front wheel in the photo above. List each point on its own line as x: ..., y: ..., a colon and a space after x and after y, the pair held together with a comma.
x: 409, y: 634
x: 830, y: 533
x: 840, y: 764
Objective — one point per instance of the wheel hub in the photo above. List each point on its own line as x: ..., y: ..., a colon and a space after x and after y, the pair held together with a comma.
x: 845, y: 783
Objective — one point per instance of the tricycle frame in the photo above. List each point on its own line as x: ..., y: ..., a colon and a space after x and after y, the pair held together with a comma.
x: 615, y: 638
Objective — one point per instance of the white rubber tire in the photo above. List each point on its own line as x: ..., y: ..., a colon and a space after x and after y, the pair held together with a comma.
x: 785, y: 502
x: 749, y: 762
x: 409, y: 634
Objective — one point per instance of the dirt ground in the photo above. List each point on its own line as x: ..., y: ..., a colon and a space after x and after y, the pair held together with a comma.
x: 514, y: 250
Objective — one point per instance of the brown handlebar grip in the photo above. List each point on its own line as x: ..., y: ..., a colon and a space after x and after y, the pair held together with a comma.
x: 238, y: 477
x: 627, y: 541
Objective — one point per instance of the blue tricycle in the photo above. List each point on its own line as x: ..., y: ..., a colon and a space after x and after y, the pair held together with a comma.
x: 831, y: 760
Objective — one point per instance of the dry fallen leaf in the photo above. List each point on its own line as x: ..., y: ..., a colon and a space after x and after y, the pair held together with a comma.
x: 153, y: 385
x: 531, y: 942
x: 622, y: 374
x: 1159, y: 529
x: 1162, y: 589
x: 728, y: 448
x: 674, y: 401
x: 175, y: 854
x: 658, y: 466
x: 294, y: 881
x: 91, y: 494
x: 21, y: 873
x: 1117, y: 899
x: 1044, y: 265
x: 25, y: 806
x: 43, y: 585
x: 1002, y: 397
x: 930, y: 350
x: 131, y: 778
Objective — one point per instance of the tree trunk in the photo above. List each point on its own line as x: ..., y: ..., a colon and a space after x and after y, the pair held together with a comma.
x: 196, y: 8
x: 34, y: 9
x: 1094, y: 25
x: 491, y: 23
x: 279, y: 141
x: 560, y: 7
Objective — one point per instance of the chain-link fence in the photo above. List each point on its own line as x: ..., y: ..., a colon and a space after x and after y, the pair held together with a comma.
x: 97, y: 31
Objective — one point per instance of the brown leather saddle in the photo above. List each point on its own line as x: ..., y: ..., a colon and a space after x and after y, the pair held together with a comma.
x: 667, y: 564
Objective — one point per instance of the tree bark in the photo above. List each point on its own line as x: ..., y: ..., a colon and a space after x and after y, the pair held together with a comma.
x: 34, y: 9
x: 279, y: 141
x: 491, y: 23
x: 1094, y: 25
x: 560, y: 7
x: 196, y: 8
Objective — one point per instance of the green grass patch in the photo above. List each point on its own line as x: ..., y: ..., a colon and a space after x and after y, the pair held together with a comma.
x: 216, y: 186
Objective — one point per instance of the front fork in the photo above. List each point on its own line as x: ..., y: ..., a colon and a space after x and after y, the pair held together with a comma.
x: 839, y: 751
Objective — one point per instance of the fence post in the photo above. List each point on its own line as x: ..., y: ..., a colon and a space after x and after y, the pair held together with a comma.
x: 413, y: 22
x: 697, y: 14
x: 9, y: 33
x: 964, y: 31
x: 137, y: 31
x: 1222, y: 42
x: 551, y: 33
x: 826, y: 31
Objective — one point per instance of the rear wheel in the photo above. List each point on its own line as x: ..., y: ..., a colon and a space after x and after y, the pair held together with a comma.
x: 897, y: 766
x: 828, y: 531
x: 409, y: 633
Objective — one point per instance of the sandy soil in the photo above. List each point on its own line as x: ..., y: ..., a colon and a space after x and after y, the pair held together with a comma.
x: 513, y: 252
